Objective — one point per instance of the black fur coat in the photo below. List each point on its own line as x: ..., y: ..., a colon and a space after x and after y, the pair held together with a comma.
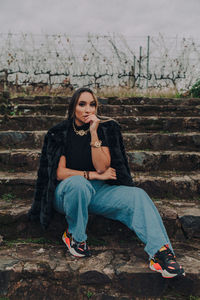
x: 53, y: 148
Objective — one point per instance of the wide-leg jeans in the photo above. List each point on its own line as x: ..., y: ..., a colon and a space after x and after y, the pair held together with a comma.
x: 76, y: 196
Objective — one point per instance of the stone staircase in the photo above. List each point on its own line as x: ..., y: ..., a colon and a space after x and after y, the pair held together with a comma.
x: 162, y: 139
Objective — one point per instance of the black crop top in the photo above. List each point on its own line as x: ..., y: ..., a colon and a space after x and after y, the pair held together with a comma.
x: 78, y: 149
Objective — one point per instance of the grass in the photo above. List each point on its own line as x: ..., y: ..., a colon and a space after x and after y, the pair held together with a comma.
x: 136, y: 92
x: 120, y: 91
x: 29, y: 241
x: 8, y: 197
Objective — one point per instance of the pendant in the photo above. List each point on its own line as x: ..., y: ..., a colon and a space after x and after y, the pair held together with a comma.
x: 81, y: 132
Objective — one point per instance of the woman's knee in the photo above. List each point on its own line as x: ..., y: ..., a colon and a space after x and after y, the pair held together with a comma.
x: 77, y: 184
x: 141, y: 195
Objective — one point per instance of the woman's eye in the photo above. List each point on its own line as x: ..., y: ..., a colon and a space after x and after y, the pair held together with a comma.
x: 93, y: 104
x: 81, y: 104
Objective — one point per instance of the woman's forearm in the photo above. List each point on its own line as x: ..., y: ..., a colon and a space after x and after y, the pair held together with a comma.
x: 100, y: 159
x: 63, y: 173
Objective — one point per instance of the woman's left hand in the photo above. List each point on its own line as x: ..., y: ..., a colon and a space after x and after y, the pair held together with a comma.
x: 94, y: 122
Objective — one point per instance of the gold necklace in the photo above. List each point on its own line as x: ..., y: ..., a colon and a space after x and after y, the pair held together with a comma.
x: 80, y: 132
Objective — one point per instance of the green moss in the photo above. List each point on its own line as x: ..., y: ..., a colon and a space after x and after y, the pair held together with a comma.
x: 40, y: 240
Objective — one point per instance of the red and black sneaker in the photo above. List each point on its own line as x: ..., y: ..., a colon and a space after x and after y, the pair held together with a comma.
x: 78, y: 249
x: 165, y: 263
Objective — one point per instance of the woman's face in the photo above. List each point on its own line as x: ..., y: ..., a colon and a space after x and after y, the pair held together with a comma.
x: 85, y: 107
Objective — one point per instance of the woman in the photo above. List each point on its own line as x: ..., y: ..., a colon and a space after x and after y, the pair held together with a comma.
x: 83, y: 168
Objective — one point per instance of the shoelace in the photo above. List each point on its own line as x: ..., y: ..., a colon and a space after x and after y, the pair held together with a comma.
x: 84, y: 245
x: 79, y: 244
x: 167, y: 255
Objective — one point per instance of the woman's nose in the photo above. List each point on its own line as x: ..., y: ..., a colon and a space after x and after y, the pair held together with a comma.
x: 88, y: 108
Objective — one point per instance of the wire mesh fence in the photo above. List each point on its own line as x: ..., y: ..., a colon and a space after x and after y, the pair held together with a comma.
x: 98, y: 61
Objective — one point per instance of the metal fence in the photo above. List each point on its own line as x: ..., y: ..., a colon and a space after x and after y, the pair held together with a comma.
x: 99, y: 61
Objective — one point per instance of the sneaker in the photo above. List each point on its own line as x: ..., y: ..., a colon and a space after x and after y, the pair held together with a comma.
x: 75, y: 248
x: 165, y: 263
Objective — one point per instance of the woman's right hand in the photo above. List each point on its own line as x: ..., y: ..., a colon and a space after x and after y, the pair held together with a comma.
x: 110, y: 173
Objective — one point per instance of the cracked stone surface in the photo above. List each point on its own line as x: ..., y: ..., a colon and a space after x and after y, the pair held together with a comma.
x: 110, y: 270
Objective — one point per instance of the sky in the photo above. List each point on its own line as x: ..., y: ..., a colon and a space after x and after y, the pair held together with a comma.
x: 79, y: 17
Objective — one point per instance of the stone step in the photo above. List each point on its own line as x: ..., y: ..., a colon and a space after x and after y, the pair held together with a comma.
x: 175, y: 141
x: 151, y: 101
x: 149, y: 110
x: 133, y: 141
x: 108, y: 100
x: 147, y: 161
x: 23, y: 139
x: 157, y: 184
x: 13, y: 218
x: 109, y: 110
x: 38, y: 100
x: 134, y: 124
x: 143, y: 161
x: 31, y: 270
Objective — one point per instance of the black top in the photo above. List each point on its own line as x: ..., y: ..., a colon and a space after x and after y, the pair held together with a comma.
x: 78, y: 149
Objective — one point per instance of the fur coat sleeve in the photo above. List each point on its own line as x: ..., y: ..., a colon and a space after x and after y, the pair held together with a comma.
x: 119, y: 160
x: 41, y: 183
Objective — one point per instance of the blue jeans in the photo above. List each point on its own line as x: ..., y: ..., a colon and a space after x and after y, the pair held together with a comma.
x: 76, y: 196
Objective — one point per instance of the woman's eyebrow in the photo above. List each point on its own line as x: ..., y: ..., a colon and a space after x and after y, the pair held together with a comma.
x: 83, y: 101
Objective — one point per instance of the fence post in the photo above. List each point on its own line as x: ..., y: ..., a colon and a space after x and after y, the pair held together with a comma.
x: 140, y: 60
x: 134, y: 62
x: 148, y: 46
x: 131, y: 78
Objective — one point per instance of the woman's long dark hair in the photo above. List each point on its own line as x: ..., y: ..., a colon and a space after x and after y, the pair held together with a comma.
x: 74, y: 101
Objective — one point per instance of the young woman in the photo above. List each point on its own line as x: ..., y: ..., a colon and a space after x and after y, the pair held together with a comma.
x: 84, y: 169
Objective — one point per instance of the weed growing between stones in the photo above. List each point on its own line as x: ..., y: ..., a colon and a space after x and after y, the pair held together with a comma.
x: 8, y: 197
x: 11, y: 171
x: 155, y: 199
x: 89, y: 294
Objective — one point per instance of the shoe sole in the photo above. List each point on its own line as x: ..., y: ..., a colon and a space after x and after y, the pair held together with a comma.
x: 71, y: 250
x: 164, y: 273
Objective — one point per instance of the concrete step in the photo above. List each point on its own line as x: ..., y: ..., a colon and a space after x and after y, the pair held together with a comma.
x: 31, y: 270
x: 160, y: 185
x: 108, y: 100
x: 143, y: 161
x: 134, y: 124
x: 107, y: 109
x: 189, y: 141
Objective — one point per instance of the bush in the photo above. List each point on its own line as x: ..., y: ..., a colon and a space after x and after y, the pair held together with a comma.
x: 195, y: 90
